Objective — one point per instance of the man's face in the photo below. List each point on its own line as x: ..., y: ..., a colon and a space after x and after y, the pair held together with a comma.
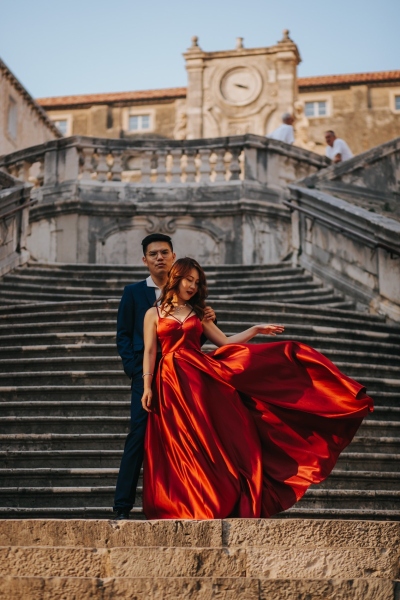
x: 329, y: 138
x: 159, y: 259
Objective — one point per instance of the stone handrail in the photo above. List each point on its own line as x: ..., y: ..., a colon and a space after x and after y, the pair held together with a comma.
x: 148, y: 161
x: 355, y: 250
x: 14, y: 219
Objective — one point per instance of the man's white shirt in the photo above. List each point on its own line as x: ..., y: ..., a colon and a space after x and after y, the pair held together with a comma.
x: 339, y: 147
x: 150, y: 283
x: 284, y: 133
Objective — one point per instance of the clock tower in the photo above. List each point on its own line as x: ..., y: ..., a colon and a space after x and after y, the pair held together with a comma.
x: 239, y: 91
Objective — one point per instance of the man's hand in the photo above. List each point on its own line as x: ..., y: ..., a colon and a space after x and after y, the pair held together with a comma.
x: 209, y: 314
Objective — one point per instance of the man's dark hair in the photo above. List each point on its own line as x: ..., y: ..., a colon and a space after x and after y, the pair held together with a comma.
x: 156, y: 237
x: 330, y: 131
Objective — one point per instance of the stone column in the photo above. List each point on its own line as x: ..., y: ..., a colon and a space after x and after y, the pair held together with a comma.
x: 287, y: 59
x: 194, y: 101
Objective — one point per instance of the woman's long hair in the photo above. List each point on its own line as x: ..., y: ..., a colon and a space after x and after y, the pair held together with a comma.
x: 181, y: 269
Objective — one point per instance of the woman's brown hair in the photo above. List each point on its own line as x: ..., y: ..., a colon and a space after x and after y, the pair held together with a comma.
x: 181, y: 269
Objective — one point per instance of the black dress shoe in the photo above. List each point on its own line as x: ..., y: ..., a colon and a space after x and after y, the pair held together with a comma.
x: 122, y: 515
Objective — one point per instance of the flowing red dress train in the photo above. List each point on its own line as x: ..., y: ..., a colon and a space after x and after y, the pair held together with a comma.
x: 242, y: 431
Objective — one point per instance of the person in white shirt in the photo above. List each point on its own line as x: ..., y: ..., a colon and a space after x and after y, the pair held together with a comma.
x: 285, y: 132
x: 337, y: 149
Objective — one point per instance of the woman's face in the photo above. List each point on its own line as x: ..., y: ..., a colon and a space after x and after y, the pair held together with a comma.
x: 189, y: 285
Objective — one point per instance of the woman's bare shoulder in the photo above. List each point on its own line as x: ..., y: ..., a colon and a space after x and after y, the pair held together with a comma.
x: 152, y: 313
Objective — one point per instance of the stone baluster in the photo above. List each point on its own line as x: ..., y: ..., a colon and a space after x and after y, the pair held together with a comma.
x: 220, y: 168
x: 87, y: 167
x: 205, y: 167
x: 116, y: 169
x: 40, y: 175
x: 176, y: 169
x: 162, y: 166
x: 234, y: 167
x: 102, y: 166
x: 146, y: 166
x: 190, y: 166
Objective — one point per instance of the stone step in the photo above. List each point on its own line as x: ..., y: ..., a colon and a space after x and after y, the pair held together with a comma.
x: 72, y: 497
x: 382, y: 500
x: 299, y: 297
x: 94, y: 441
x: 105, y: 458
x: 249, y: 561
x: 377, y: 424
x: 105, y: 377
x: 96, y: 362
x: 214, y: 280
x: 384, y: 374
x: 294, y: 326
x: 106, y: 476
x: 115, y: 441
x: 58, y: 424
x: 85, y: 349
x: 228, y: 306
x: 103, y: 269
x: 67, y: 393
x: 185, y: 588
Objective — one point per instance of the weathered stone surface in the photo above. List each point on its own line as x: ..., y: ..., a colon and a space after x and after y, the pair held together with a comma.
x: 293, y: 533
x: 109, y: 534
x: 334, y: 589
x: 53, y: 562
x: 322, y: 563
x: 177, y: 562
x: 146, y: 588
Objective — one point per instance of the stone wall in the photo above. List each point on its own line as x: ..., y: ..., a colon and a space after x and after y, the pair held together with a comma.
x: 23, y: 123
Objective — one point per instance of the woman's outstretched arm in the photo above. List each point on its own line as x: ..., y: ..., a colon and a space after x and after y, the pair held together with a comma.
x: 149, y: 355
x: 217, y: 337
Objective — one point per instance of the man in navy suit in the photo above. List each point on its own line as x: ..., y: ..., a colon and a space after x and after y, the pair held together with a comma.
x: 158, y: 256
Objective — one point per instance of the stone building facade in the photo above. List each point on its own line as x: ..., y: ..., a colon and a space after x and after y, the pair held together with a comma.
x: 239, y: 91
x: 23, y: 122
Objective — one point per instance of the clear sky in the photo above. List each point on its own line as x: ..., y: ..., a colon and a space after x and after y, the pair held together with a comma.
x: 86, y: 46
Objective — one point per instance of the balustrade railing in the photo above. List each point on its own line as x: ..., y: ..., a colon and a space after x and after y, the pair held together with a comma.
x: 148, y: 161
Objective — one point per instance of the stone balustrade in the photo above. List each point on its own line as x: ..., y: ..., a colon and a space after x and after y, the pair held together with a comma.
x: 221, y: 199
x: 159, y: 161
x: 14, y: 217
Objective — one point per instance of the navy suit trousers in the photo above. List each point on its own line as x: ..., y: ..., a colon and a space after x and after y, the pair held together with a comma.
x: 132, y: 457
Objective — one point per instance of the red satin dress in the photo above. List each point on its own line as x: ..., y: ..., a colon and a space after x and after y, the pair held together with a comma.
x: 244, y: 430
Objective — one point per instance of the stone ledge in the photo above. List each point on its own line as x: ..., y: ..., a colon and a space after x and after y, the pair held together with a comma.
x: 268, y: 533
x: 146, y: 588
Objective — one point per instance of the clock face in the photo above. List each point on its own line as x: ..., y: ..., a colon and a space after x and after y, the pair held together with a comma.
x: 241, y: 85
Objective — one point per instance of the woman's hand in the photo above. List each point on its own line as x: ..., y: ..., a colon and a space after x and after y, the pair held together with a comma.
x: 270, y: 329
x: 146, y: 400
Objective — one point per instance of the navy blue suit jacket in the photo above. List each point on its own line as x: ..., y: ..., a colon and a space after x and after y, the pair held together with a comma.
x: 135, y: 302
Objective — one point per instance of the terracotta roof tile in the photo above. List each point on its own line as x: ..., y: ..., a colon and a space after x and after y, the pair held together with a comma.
x: 112, y: 97
x: 322, y: 80
x: 145, y: 95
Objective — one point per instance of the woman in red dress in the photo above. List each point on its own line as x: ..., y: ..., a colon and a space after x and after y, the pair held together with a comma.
x: 244, y: 430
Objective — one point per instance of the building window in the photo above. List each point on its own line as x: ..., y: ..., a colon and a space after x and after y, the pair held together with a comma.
x: 12, y: 119
x: 139, y: 122
x: 62, y: 125
x: 316, y: 109
x: 397, y: 103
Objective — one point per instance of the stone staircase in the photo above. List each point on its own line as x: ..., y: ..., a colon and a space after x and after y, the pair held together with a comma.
x: 64, y: 399
x: 225, y: 560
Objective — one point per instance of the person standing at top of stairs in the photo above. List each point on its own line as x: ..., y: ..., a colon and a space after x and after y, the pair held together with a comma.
x: 137, y: 298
